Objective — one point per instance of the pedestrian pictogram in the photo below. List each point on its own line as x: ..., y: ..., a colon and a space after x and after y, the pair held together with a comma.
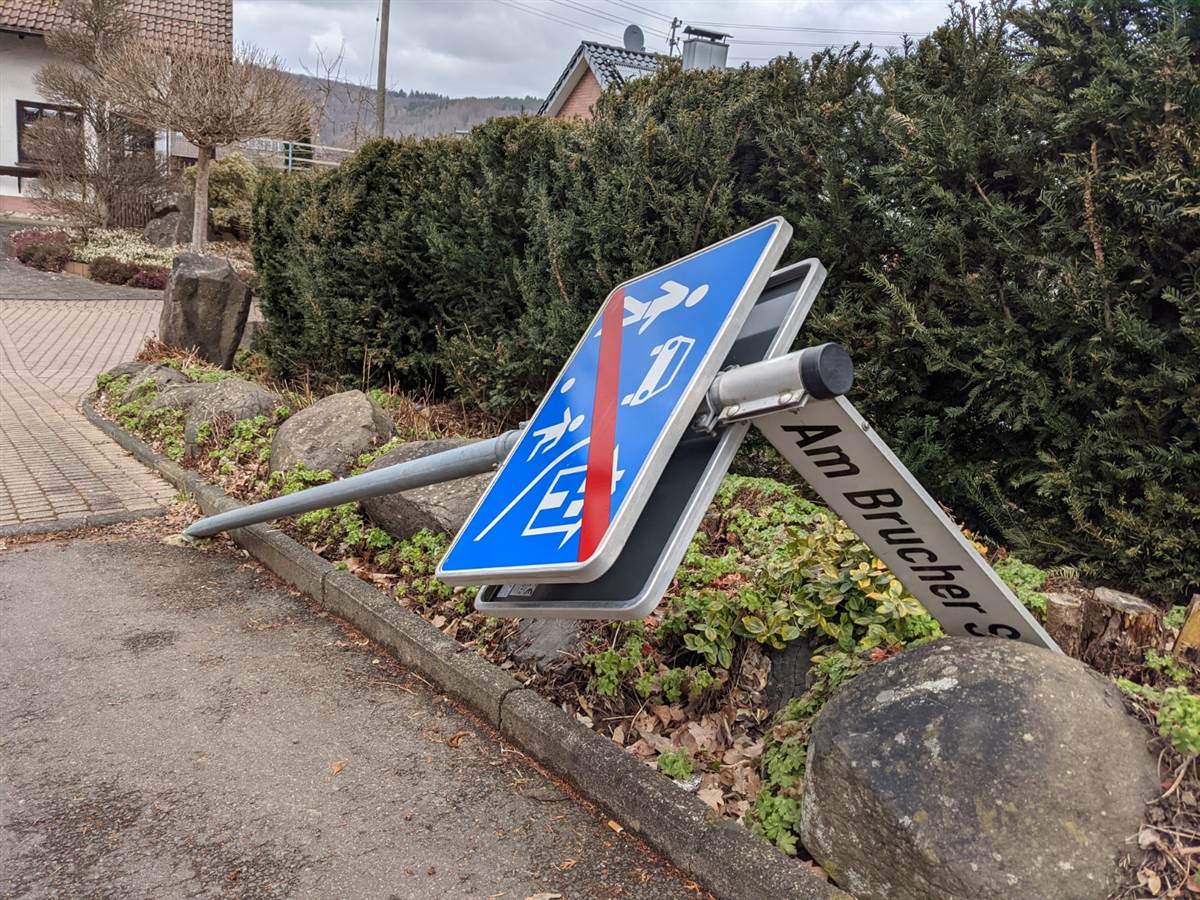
x: 576, y: 482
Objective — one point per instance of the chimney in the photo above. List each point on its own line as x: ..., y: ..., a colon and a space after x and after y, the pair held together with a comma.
x: 704, y: 49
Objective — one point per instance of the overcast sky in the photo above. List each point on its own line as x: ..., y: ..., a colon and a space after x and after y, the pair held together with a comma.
x: 519, y: 47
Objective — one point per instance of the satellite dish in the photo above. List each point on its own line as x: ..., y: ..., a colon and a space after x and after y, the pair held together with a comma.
x: 634, y: 39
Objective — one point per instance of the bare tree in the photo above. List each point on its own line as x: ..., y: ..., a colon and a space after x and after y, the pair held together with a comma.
x: 89, y: 157
x: 212, y: 99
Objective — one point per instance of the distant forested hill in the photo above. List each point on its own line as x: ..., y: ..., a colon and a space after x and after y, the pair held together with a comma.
x: 348, y: 111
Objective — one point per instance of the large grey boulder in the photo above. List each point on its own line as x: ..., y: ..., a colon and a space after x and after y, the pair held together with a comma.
x: 331, y: 434
x: 120, y: 370
x: 181, y: 396
x: 440, y: 507
x: 157, y: 376
x: 161, y: 231
x: 975, y: 768
x: 205, y: 305
x: 230, y: 400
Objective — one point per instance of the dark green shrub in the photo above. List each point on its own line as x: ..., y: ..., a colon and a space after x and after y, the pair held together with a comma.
x: 1007, y: 209
x: 112, y: 271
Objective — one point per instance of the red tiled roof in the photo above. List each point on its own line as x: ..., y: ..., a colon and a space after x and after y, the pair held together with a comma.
x: 203, y: 23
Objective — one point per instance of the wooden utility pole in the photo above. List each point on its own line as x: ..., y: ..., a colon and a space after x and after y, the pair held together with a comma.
x: 381, y: 99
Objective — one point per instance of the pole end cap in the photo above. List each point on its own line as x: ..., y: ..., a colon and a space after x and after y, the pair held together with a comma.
x: 826, y: 371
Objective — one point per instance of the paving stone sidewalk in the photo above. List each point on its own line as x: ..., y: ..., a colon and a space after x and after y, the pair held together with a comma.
x: 56, y: 333
x: 55, y: 466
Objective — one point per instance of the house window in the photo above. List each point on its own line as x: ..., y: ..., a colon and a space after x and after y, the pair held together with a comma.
x: 29, y: 112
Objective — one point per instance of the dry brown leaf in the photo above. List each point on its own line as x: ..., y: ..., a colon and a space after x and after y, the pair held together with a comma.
x: 643, y: 749
x: 567, y: 865
x: 618, y: 736
x: 457, y: 738
x: 1149, y: 879
x: 337, y: 767
x: 713, y: 797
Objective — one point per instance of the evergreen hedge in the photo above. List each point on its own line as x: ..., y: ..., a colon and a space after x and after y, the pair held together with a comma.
x: 1009, y: 209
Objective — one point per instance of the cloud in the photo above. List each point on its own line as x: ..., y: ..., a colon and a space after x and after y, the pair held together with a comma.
x: 519, y: 47
x: 329, y: 44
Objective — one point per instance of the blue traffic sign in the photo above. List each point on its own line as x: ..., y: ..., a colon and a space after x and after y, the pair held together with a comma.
x: 566, y: 498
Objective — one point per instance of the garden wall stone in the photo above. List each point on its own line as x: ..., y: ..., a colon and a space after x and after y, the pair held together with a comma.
x: 440, y: 507
x: 980, y: 768
x: 205, y: 306
x: 331, y: 434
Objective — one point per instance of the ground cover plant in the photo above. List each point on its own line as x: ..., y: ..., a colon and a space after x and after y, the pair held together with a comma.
x: 1015, y: 275
x: 684, y: 690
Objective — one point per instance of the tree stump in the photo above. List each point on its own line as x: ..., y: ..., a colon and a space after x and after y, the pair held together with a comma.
x: 1064, y: 621
x: 1117, y: 629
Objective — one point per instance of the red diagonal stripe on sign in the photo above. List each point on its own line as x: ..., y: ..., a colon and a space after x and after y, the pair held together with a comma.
x: 597, y: 490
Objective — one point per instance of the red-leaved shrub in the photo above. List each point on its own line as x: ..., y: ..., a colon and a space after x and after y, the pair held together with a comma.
x: 46, y: 250
x: 112, y: 271
x: 155, y: 278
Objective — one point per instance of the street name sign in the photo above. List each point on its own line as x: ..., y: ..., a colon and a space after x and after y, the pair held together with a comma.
x: 842, y: 458
x: 571, y: 491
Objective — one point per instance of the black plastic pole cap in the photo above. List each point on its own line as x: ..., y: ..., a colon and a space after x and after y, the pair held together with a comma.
x: 826, y: 370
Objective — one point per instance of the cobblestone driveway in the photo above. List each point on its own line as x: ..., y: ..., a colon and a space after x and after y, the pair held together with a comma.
x: 56, y: 469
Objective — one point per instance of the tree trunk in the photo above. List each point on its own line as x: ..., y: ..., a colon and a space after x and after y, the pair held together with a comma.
x: 1117, y: 629
x: 200, y: 215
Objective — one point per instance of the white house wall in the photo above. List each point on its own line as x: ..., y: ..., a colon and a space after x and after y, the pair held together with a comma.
x: 20, y: 57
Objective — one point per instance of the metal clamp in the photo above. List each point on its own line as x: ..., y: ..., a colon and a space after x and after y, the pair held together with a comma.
x: 785, y: 382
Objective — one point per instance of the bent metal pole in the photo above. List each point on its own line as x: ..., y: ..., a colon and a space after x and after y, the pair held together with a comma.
x: 472, y: 459
x: 821, y: 371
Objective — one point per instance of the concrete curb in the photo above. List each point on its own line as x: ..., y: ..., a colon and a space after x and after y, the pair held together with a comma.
x: 725, y: 857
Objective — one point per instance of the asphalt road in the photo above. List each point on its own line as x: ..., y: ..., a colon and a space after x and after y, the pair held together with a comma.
x: 175, y: 724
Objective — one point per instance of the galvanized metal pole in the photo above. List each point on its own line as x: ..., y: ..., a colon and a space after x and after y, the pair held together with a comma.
x: 472, y: 459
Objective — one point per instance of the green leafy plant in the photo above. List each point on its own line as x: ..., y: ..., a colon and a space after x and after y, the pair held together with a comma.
x: 614, y: 665
x: 1177, y: 714
x: 416, y: 562
x: 162, y: 427
x: 676, y: 764
x: 1168, y: 666
x: 776, y: 810
x: 1025, y: 580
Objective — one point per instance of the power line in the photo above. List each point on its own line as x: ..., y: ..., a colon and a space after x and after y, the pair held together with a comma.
x: 554, y: 17
x: 804, y: 28
x: 570, y: 4
x: 643, y: 10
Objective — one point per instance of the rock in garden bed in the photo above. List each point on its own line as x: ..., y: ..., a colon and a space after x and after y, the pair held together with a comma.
x: 976, y: 768
x: 230, y: 400
x: 158, y: 376
x: 440, y: 507
x: 205, y: 306
x: 331, y: 434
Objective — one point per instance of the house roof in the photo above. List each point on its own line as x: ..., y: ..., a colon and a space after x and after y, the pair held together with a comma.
x: 610, y: 65
x: 196, y: 23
